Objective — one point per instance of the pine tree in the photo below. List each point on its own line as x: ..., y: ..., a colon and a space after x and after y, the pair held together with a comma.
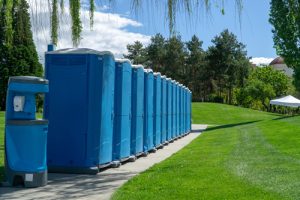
x: 18, y: 54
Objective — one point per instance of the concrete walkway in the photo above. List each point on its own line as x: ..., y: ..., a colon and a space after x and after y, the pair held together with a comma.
x: 102, y: 185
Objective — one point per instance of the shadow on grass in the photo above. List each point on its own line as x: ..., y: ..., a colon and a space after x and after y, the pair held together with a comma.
x: 1, y: 173
x: 231, y: 125
x: 286, y: 117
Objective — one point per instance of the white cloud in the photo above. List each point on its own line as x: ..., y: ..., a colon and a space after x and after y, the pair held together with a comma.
x: 261, y: 61
x: 109, y: 30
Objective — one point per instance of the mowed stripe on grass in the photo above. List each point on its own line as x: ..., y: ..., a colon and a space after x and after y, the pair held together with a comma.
x: 250, y: 155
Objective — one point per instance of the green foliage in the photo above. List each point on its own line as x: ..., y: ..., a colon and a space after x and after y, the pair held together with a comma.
x: 228, y: 61
x: 156, y: 52
x: 197, y: 70
x: 223, y: 66
x: 285, y: 17
x: 136, y: 53
x: 263, y: 84
x: 54, y: 22
x: 76, y: 21
x: 19, y: 57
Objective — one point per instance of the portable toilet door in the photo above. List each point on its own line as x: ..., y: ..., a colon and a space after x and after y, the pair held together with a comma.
x: 173, y: 109
x: 180, y: 109
x: 122, y: 118
x: 169, y: 109
x: 80, y: 109
x: 187, y: 111
x: 182, y: 105
x: 157, y: 110
x: 163, y: 109
x: 176, y: 109
x: 148, y: 109
x: 187, y: 116
x: 183, y: 114
x: 185, y: 107
x: 137, y: 110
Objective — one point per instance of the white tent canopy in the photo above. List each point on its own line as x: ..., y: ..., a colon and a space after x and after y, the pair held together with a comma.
x: 289, y: 101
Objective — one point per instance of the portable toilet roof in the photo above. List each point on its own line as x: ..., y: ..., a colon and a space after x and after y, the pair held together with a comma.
x: 148, y: 70
x: 156, y: 73
x: 163, y: 77
x: 137, y: 66
x: 80, y: 51
x: 122, y: 60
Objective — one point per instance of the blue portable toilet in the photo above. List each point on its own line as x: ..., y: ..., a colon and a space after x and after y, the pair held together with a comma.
x: 122, y: 112
x: 173, y: 109
x: 25, y: 136
x: 177, y: 109
x: 190, y: 111
x: 137, y: 110
x: 184, y: 110
x: 163, y: 109
x: 184, y: 114
x: 148, y: 110
x: 80, y: 108
x: 169, y: 109
x: 157, y: 110
x: 187, y: 117
x: 180, y: 109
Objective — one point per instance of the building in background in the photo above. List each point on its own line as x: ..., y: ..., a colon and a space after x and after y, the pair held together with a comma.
x: 278, y: 64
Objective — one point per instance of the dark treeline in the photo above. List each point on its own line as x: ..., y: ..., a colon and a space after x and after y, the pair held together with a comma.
x: 18, y: 55
x: 211, y: 74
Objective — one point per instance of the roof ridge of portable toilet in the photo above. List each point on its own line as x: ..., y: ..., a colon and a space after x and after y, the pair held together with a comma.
x: 168, y: 79
x: 157, y: 73
x: 137, y: 66
x: 122, y: 60
x: 173, y: 81
x: 163, y: 76
x: 148, y: 70
x: 80, y: 51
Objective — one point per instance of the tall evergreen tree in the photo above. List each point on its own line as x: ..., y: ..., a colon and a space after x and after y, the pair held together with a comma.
x: 18, y: 55
x: 175, y: 59
x: 197, y: 78
x: 136, y: 53
x: 225, y: 57
x: 156, y: 52
x: 24, y: 59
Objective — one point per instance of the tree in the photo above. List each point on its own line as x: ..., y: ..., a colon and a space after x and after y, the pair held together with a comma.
x: 18, y: 55
x: 262, y: 85
x: 198, y: 79
x: 285, y: 18
x: 175, y: 59
x: 277, y: 79
x: 156, y: 52
x: 136, y: 53
x: 260, y: 91
x: 228, y: 61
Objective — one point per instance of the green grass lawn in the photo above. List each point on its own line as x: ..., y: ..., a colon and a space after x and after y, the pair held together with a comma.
x: 247, y: 155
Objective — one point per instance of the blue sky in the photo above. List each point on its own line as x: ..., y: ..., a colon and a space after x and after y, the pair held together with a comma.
x: 254, y: 29
x: 118, y: 25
